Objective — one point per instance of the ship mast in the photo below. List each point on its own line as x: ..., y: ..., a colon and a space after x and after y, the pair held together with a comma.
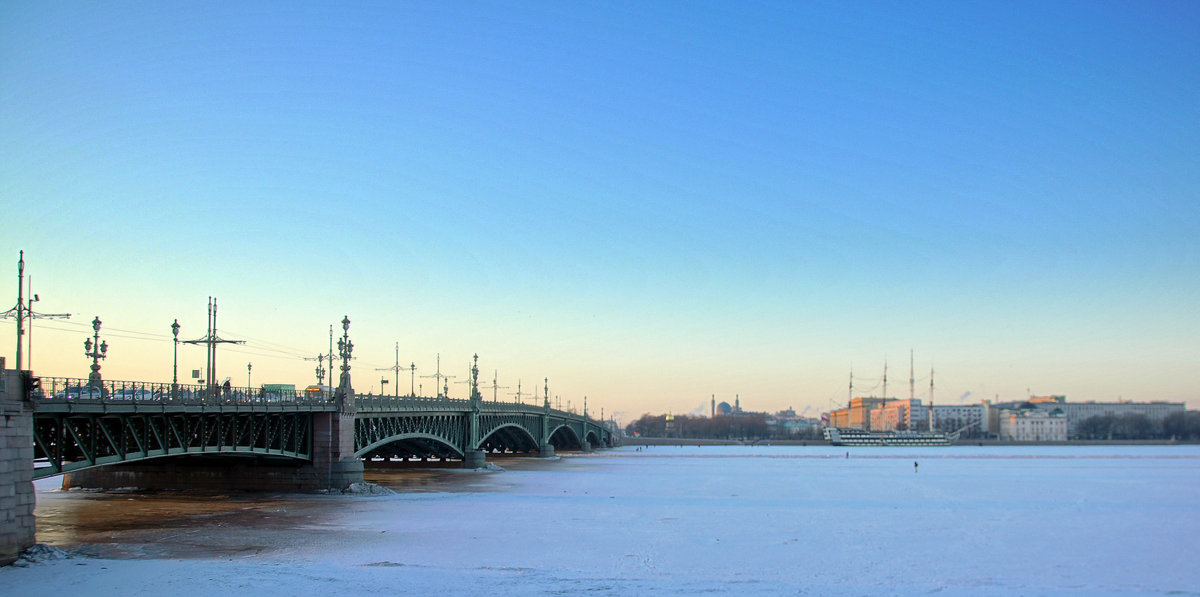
x: 911, y: 379
x: 850, y: 394
x: 931, y: 399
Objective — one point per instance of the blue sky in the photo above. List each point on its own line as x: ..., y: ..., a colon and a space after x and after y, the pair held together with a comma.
x: 648, y: 203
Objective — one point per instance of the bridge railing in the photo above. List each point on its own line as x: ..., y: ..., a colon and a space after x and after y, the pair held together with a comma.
x: 80, y: 390
x: 377, y: 402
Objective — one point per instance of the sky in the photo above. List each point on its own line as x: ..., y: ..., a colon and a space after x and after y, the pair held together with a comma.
x: 650, y: 204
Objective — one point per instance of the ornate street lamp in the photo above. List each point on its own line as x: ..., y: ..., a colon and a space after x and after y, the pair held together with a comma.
x: 345, y: 348
x: 248, y: 384
x: 100, y: 351
x: 175, y: 361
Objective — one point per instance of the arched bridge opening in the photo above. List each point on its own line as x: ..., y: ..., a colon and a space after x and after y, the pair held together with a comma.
x: 409, y: 447
x: 509, y: 439
x: 565, y: 438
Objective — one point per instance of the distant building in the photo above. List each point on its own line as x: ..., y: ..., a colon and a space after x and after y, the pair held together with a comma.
x: 838, y: 418
x: 1078, y: 412
x: 1032, y: 425
x: 860, y: 411
x: 788, y: 423
x: 907, y: 414
x: 724, y: 409
x: 969, y: 418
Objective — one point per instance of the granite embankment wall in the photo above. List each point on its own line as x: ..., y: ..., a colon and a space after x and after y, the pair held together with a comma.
x: 16, y: 468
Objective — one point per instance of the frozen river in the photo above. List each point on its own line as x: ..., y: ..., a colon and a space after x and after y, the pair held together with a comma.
x: 677, y: 520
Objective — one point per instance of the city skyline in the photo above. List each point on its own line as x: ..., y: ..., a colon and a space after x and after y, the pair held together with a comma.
x: 646, y: 204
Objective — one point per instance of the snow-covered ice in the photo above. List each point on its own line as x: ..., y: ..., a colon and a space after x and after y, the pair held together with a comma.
x: 681, y: 520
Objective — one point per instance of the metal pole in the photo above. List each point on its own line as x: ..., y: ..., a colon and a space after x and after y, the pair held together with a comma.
x: 29, y: 313
x: 175, y: 361
x: 208, y: 364
x: 20, y: 305
x: 213, y: 339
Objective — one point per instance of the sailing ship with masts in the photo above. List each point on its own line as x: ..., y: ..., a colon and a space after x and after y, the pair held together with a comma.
x: 848, y: 435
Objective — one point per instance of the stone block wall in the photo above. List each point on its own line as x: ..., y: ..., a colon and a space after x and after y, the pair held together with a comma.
x: 16, y: 469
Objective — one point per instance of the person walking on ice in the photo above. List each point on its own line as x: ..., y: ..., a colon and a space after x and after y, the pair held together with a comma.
x: 914, y: 466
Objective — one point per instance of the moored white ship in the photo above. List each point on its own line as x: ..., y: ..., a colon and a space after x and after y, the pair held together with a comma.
x: 848, y: 436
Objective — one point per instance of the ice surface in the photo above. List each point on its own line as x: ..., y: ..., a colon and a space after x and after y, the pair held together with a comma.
x: 733, y: 520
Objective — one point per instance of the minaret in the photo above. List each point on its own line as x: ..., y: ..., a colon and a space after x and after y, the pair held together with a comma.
x: 737, y: 403
x: 714, y: 407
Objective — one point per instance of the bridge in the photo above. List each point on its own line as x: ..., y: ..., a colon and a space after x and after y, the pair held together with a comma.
x: 115, y: 434
x: 110, y: 434
x: 106, y: 434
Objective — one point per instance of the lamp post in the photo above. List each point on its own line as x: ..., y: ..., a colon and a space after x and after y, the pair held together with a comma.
x: 248, y: 366
x: 412, y: 379
x: 175, y: 361
x: 97, y: 350
x: 345, y: 348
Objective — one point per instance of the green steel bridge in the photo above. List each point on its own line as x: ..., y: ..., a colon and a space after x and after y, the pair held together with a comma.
x: 80, y: 425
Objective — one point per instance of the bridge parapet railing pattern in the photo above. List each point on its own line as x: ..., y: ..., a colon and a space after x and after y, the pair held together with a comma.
x: 71, y: 390
x: 374, y: 402
x: 82, y: 391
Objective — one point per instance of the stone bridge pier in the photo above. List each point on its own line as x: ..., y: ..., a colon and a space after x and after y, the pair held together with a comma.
x: 16, y: 466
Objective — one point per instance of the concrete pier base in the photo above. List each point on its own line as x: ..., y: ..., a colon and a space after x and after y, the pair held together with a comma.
x: 345, y: 473
x: 475, y: 459
x: 585, y: 446
x: 546, y: 451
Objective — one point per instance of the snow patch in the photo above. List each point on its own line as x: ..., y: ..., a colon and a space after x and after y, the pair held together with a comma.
x: 366, y: 489
x: 38, y: 554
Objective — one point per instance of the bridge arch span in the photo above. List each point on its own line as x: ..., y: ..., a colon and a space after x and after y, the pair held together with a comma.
x: 406, y: 445
x: 511, y: 437
x: 593, y: 439
x: 565, y: 437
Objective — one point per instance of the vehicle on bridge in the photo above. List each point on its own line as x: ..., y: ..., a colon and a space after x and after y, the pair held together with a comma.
x: 80, y: 392
x: 134, y: 394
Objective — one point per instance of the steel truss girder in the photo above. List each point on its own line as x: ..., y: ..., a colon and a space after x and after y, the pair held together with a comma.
x: 73, y: 441
x: 373, y: 432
